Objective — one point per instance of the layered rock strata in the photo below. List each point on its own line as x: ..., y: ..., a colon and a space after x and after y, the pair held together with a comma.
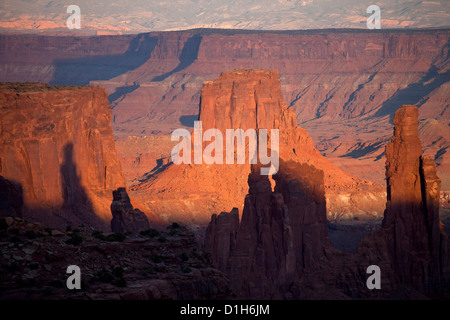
x: 57, y: 146
x: 249, y: 99
x: 417, y: 243
x: 281, y: 247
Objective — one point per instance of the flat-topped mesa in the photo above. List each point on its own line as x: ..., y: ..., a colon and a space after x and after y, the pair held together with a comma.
x: 252, y: 99
x: 245, y: 99
x: 415, y: 237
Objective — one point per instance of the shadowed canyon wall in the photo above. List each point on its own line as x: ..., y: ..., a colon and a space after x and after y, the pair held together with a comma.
x: 281, y: 249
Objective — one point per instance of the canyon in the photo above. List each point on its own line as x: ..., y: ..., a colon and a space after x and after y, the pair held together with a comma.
x: 280, y: 249
x: 249, y: 99
x: 344, y: 85
x: 58, y: 161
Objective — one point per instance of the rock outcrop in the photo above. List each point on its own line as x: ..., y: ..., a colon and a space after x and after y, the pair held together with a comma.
x: 57, y: 146
x: 249, y: 99
x: 416, y: 241
x: 282, y: 232
x: 282, y: 250
x: 125, y: 218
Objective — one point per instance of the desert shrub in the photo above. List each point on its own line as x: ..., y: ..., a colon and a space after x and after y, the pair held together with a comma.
x: 14, y: 231
x: 33, y: 265
x: 30, y: 234
x: 104, y: 276
x: 116, y: 237
x: 75, y: 239
x: 3, y: 224
x: 98, y: 235
x: 185, y: 269
x: 15, y: 239
x: 162, y: 239
x: 13, y: 267
x: 56, y: 283
x: 120, y: 282
x: 115, y: 277
x: 151, y: 233
x: 156, y: 258
x: 184, y: 257
x: 118, y: 272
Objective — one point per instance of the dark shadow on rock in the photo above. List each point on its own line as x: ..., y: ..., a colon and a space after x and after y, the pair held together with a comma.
x: 188, y: 121
x: 120, y: 93
x: 188, y: 56
x: 413, y: 93
x: 80, y: 71
x: 364, y: 150
x: 11, y: 198
x: 76, y: 201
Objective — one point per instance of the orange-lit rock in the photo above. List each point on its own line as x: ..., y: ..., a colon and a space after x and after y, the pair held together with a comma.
x: 249, y: 99
x: 56, y: 143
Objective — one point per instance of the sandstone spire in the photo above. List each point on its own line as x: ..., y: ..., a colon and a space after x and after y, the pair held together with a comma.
x: 282, y: 232
x: 249, y: 99
x: 416, y: 241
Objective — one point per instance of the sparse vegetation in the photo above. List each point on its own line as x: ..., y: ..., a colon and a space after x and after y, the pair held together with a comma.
x: 156, y: 258
x: 116, y: 237
x: 30, y: 234
x: 184, y: 257
x: 175, y: 225
x: 14, y: 231
x: 118, y: 272
x: 151, y: 233
x: 75, y: 239
x: 98, y: 235
x: 56, y: 283
x: 115, y: 277
x: 3, y: 224
x: 185, y: 269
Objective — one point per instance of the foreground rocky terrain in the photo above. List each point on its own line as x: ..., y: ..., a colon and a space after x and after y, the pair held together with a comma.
x: 165, y: 264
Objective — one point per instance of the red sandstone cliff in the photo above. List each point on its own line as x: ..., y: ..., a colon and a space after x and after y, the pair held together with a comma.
x: 342, y: 84
x: 282, y: 232
x: 285, y: 231
x: 416, y: 240
x: 56, y: 144
x: 249, y: 99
